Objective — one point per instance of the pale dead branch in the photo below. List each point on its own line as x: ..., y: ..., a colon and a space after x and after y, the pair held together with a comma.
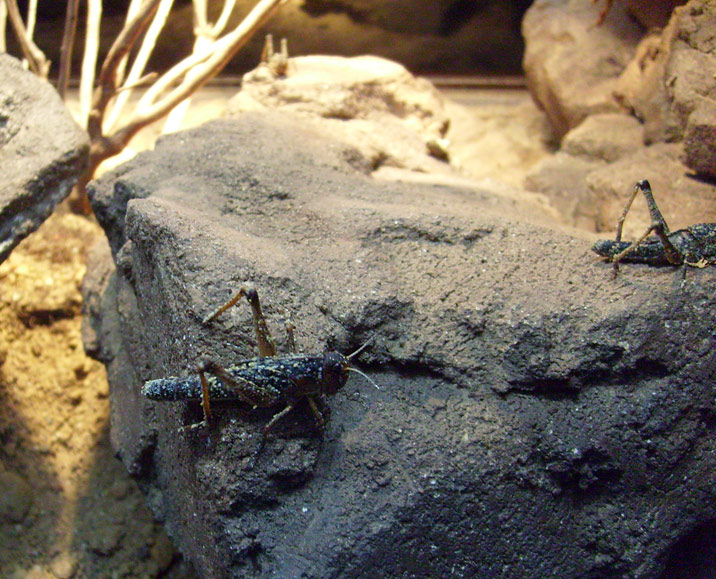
x: 109, y: 128
x: 108, y: 82
x: 132, y: 10
x: 161, y: 97
x: 138, y: 65
x: 89, y: 60
x: 31, y: 17
x: 205, y: 34
x: 68, y: 42
x: 33, y: 55
x: 3, y: 26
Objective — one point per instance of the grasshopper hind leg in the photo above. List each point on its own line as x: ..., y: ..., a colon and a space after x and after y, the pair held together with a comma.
x: 658, y: 226
x: 266, y: 344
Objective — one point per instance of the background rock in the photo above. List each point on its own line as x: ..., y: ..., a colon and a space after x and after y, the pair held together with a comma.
x: 675, y: 72
x: 682, y: 199
x: 562, y: 178
x: 669, y: 86
x: 591, y: 194
x: 390, y: 116
x: 526, y: 396
x: 607, y: 137
x: 571, y: 64
x: 42, y: 152
x: 700, y: 140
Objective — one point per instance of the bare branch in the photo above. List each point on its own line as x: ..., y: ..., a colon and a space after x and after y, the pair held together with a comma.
x: 108, y: 81
x: 139, y: 63
x: 223, y: 20
x: 68, y: 42
x: 134, y: 6
x: 31, y: 17
x: 34, y: 56
x: 89, y: 61
x: 208, y: 63
x: 201, y: 21
x: 3, y: 26
x: 205, y: 35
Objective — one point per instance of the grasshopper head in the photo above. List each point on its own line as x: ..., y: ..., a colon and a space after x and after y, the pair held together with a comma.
x: 334, y: 373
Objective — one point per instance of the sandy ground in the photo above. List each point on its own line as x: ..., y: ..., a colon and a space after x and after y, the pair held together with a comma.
x: 67, y: 506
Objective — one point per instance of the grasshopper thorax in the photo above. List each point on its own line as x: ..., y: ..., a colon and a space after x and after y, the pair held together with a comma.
x: 334, y: 372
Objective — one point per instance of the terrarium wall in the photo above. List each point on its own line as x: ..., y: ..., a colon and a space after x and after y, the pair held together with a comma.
x: 427, y: 36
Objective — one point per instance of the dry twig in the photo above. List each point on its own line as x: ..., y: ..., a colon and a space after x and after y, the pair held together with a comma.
x: 68, y: 42
x: 36, y: 59
x: 171, y: 88
x: 3, y: 26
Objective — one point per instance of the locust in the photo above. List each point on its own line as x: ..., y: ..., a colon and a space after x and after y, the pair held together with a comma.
x: 266, y: 381
x: 693, y: 246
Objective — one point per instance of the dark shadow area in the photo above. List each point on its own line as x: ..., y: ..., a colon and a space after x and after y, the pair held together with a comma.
x: 114, y: 528
x: 693, y: 556
x: 30, y: 501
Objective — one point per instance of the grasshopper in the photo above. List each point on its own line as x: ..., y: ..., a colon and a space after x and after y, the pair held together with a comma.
x: 694, y: 246
x: 266, y: 381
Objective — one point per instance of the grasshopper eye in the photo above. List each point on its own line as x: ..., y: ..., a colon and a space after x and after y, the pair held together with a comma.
x: 334, y: 372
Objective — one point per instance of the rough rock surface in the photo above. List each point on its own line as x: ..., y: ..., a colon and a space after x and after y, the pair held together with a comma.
x: 571, y: 64
x: 526, y: 396
x: 42, y: 152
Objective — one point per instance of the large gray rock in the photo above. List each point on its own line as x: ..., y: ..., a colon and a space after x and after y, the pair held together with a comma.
x: 536, y: 417
x: 42, y: 152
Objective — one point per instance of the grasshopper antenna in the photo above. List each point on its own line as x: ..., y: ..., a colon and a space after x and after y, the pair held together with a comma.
x: 351, y: 369
x: 363, y: 347
x: 358, y: 351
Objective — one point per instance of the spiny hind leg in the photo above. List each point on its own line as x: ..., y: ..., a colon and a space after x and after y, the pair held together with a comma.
x: 658, y: 226
x: 245, y: 390
x: 267, y: 346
